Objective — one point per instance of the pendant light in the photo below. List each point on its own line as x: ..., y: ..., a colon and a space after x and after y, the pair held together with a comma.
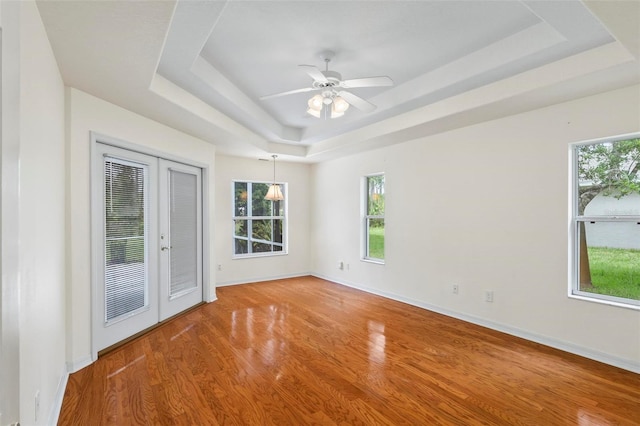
x: 274, y: 193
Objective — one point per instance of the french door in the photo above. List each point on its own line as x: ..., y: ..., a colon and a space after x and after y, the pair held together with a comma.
x: 147, y: 242
x: 180, y: 237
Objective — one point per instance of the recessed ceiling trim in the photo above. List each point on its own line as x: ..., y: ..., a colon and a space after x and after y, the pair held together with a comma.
x: 591, y: 61
x: 191, y: 24
x: 621, y: 20
x: 187, y: 101
x: 219, y: 83
x: 299, y: 151
x: 521, y: 44
x: 524, y: 43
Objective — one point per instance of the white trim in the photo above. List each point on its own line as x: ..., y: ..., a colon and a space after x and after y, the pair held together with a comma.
x: 208, y: 294
x: 263, y: 279
x: 261, y: 254
x: 141, y: 149
x: 605, y: 300
x: 557, y: 344
x: 80, y: 363
x: 621, y: 137
x: 56, y: 407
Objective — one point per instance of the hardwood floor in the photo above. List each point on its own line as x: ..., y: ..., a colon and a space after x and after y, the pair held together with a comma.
x: 306, y: 351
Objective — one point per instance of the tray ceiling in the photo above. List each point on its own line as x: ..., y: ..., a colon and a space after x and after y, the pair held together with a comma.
x: 201, y: 66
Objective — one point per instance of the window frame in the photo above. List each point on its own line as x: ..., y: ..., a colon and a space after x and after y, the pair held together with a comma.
x: 250, y: 218
x: 366, y: 218
x: 575, y: 220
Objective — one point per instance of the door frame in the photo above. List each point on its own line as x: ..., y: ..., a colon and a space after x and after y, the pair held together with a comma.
x: 98, y: 138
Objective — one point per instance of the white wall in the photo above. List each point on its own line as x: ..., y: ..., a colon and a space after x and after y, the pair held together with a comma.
x: 243, y: 270
x: 484, y: 207
x: 84, y: 114
x: 9, y: 214
x: 42, y: 223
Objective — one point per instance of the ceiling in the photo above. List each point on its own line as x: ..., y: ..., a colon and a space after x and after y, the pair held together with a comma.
x: 202, y: 66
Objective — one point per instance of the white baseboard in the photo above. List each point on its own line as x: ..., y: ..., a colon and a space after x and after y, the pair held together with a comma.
x: 79, y: 364
x: 54, y: 413
x: 543, y: 340
x: 262, y: 279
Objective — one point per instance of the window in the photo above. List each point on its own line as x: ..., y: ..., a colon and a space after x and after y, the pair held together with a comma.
x: 606, y: 221
x: 259, y: 225
x: 374, y: 218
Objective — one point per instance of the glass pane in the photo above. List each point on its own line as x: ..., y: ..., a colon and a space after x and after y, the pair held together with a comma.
x: 242, y: 246
x: 240, y: 199
x: 260, y: 206
x: 375, y: 238
x: 183, y: 225
x: 260, y: 247
x: 277, y: 230
x: 240, y: 226
x: 375, y: 195
x: 261, y: 229
x: 608, y: 170
x: 125, y: 270
x: 609, y: 258
x: 277, y: 248
x: 278, y: 206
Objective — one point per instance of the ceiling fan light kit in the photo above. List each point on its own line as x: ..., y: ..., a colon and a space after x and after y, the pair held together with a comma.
x: 334, y: 101
x: 321, y: 102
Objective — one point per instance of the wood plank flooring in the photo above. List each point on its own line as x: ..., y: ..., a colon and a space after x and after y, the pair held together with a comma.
x: 305, y: 351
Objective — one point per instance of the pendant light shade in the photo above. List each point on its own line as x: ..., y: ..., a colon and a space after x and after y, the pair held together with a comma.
x: 340, y: 105
x: 274, y: 193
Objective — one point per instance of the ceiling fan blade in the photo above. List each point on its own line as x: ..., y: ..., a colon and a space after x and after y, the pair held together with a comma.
x: 357, y: 101
x: 290, y: 92
x: 315, y: 73
x: 367, y: 82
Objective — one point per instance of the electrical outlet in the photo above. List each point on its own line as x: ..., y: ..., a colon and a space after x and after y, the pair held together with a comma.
x: 488, y: 296
x: 37, y: 405
x: 454, y: 289
x: 340, y: 265
x: 219, y: 267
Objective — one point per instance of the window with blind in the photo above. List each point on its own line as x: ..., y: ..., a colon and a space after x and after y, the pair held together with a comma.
x: 184, y: 232
x: 125, y: 238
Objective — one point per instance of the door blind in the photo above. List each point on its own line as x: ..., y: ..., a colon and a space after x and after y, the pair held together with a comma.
x: 125, y: 236
x: 183, y: 193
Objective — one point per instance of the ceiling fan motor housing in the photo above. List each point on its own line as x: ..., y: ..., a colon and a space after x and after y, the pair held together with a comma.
x: 333, y: 79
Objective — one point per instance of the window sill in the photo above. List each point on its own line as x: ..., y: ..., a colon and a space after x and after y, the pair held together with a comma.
x: 372, y: 260
x: 604, y: 301
x: 254, y: 255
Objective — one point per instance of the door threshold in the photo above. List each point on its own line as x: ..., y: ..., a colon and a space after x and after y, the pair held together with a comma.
x: 133, y: 337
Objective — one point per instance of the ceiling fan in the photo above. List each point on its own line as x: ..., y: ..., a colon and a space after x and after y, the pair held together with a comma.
x: 333, y: 100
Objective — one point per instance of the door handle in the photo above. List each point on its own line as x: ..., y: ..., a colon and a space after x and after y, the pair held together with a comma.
x: 163, y: 248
